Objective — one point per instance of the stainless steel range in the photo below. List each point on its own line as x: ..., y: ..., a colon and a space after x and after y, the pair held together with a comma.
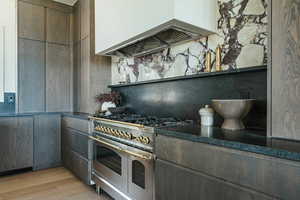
x: 123, y: 164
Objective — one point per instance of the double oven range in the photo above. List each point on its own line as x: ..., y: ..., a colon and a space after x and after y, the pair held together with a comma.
x: 123, y: 159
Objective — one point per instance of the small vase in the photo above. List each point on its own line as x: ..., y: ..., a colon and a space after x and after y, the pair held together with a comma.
x: 106, y: 105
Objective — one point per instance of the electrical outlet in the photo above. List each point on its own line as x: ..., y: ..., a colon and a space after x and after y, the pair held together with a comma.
x: 9, y: 98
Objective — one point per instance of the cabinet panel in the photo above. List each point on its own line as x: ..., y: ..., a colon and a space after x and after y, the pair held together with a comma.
x: 84, y: 76
x: 77, y: 142
x: 77, y: 124
x: 285, y: 69
x: 58, y: 26
x: 257, y: 172
x: 31, y: 76
x: 77, y: 22
x: 58, y: 78
x: 177, y: 183
x: 80, y: 167
x: 72, y: 160
x: 47, y: 141
x: 85, y: 18
x: 31, y: 21
x: 16, y: 143
x: 76, y: 75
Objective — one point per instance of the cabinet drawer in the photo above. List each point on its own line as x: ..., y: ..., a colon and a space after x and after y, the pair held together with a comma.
x: 77, y: 124
x: 80, y: 167
x: 77, y: 141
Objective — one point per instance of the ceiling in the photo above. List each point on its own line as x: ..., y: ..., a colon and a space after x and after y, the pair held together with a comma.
x: 68, y: 2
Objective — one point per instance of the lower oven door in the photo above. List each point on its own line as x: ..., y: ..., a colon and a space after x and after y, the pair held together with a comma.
x: 111, y: 165
x: 141, y: 175
x: 129, y: 170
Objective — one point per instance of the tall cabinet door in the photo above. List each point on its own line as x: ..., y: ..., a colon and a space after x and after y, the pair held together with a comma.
x: 47, y: 141
x: 31, y: 76
x: 285, y: 75
x: 16, y: 143
x: 58, y: 78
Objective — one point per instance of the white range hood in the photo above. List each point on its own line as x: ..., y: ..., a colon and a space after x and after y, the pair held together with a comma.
x: 139, y: 27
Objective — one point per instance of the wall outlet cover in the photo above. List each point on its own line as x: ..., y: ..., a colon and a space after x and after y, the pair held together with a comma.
x: 10, y: 98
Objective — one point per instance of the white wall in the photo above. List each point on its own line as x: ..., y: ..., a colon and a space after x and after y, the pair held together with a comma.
x: 8, y: 23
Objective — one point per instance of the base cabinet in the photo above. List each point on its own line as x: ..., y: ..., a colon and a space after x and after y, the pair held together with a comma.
x: 47, y: 141
x: 77, y: 164
x: 16, y: 143
x: 173, y: 182
x: 75, y: 148
x: 191, y: 168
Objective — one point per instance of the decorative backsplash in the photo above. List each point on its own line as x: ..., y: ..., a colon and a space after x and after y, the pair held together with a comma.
x: 242, y: 34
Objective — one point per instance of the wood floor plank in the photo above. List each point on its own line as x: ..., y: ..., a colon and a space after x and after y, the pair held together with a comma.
x: 52, y: 184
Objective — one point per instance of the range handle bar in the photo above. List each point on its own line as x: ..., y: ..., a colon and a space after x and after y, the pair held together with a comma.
x: 137, y: 155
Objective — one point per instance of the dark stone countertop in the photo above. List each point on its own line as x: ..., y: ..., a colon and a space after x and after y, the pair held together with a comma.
x: 78, y: 115
x: 247, y: 140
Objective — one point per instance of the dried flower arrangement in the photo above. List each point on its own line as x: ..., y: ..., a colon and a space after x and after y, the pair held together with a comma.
x: 114, y: 97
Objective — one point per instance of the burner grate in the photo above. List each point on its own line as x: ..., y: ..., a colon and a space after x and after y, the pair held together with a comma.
x: 151, y: 121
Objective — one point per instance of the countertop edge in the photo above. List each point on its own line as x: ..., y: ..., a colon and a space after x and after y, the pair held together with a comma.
x: 84, y: 116
x: 267, y: 151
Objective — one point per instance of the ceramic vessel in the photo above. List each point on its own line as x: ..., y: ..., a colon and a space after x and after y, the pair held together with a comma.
x: 106, y: 105
x: 233, y: 111
x: 207, y: 116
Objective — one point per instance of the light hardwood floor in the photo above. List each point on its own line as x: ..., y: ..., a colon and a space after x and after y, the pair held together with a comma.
x: 52, y: 184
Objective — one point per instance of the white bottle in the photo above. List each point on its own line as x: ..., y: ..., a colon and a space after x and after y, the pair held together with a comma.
x: 207, y: 116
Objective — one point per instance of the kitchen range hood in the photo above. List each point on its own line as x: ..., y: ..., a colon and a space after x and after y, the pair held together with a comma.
x: 140, y: 27
x: 164, y: 36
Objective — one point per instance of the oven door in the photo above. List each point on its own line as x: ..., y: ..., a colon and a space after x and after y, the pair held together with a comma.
x: 111, y: 165
x: 140, y: 178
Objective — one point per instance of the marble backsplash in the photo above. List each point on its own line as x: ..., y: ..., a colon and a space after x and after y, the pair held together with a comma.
x: 242, y: 34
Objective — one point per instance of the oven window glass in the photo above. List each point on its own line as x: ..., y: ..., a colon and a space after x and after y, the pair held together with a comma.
x: 109, y: 158
x: 138, y: 173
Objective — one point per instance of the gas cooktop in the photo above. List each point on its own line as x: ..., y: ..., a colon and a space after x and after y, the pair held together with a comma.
x: 150, y: 121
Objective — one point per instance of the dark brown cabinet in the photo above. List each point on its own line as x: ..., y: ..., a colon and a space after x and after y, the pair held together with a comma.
x: 47, y: 141
x: 16, y: 143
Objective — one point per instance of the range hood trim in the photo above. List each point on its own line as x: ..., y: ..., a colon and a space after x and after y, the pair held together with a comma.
x: 191, y: 30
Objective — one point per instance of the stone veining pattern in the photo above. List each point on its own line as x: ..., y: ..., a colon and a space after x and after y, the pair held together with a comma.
x: 242, y: 34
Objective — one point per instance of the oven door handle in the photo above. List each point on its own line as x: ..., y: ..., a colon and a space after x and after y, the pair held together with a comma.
x: 137, y: 155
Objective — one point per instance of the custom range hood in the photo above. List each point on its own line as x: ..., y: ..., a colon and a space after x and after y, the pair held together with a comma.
x: 140, y: 27
x: 175, y: 32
